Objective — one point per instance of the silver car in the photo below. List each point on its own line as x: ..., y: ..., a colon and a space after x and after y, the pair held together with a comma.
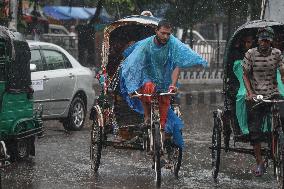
x: 61, y: 85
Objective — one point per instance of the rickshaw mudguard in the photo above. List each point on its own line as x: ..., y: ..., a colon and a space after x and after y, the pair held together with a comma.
x: 27, y: 127
x: 96, y: 113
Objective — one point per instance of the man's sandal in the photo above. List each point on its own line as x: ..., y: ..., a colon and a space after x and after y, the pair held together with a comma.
x: 259, y: 170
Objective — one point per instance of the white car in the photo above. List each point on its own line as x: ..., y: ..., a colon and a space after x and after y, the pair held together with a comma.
x: 61, y: 85
x: 57, y: 29
x: 200, y: 45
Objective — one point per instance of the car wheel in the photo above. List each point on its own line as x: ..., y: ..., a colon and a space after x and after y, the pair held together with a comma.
x: 76, y: 116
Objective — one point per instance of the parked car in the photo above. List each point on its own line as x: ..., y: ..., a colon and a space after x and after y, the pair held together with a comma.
x: 61, y: 85
x: 57, y: 29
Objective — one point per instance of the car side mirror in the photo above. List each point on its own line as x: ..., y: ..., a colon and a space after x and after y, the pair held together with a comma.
x: 32, y: 67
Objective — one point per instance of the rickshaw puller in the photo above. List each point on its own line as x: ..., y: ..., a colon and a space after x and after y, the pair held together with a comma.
x: 259, y: 73
x: 152, y: 65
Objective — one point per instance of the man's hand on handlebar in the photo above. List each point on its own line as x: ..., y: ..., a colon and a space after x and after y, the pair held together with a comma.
x: 133, y: 94
x: 172, y: 89
x: 250, y: 96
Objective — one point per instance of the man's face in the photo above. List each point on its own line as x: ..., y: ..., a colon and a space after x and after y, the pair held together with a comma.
x: 163, y: 34
x: 264, y: 43
x: 248, y: 42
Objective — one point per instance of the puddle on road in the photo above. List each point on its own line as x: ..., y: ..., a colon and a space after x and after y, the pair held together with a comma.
x: 62, y: 161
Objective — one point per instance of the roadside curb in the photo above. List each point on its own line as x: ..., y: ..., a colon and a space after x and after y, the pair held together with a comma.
x: 208, y: 97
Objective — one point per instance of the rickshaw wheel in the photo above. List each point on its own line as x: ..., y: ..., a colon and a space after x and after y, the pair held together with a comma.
x: 146, y: 143
x: 278, y: 153
x: 76, y: 116
x: 216, y: 147
x: 21, y: 149
x: 157, y: 153
x: 177, y: 160
x: 96, y: 145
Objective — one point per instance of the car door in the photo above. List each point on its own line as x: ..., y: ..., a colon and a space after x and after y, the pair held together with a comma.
x: 61, y: 80
x: 40, y: 82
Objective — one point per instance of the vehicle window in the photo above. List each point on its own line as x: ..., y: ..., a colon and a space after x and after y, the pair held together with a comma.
x: 55, y: 31
x: 67, y: 63
x: 54, y: 59
x: 195, y: 37
x: 36, y: 59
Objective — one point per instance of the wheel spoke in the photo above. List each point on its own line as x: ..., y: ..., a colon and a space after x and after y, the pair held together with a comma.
x: 96, y: 145
x: 216, y: 148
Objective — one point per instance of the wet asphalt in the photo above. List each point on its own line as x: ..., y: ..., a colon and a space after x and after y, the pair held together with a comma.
x: 62, y: 161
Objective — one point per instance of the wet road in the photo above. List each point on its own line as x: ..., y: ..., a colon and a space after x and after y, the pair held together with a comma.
x: 62, y: 161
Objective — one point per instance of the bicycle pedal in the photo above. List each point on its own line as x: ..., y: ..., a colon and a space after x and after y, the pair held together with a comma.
x: 165, y: 164
x: 6, y: 163
x: 150, y: 152
x: 168, y: 166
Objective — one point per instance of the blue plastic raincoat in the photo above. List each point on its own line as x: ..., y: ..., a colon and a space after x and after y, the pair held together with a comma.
x: 145, y: 61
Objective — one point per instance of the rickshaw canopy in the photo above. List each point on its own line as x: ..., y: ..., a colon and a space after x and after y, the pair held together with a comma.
x: 119, y: 33
x: 249, y: 26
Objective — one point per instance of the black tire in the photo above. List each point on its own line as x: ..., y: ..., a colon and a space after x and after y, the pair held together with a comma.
x: 177, y: 160
x: 157, y: 153
x: 96, y: 145
x: 146, y: 141
x: 216, y: 147
x: 278, y: 156
x: 20, y: 149
x: 76, y: 116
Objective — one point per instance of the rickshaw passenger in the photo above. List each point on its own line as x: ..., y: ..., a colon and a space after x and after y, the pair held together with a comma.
x: 243, y: 46
x: 153, y: 65
x: 259, y: 73
x: 246, y: 43
x: 278, y: 43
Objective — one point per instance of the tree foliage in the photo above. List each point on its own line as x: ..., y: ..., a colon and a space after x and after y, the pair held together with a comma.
x: 186, y: 13
x: 127, y: 7
x: 241, y: 10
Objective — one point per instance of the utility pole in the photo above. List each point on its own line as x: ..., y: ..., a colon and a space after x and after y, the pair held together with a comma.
x: 272, y: 10
x: 263, y: 8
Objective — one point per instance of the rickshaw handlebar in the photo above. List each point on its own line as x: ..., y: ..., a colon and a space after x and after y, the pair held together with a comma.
x: 136, y: 94
x: 260, y: 98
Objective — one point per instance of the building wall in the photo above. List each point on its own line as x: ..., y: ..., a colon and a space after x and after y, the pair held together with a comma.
x: 274, y: 10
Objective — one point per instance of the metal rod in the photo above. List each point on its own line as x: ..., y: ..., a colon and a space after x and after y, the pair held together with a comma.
x: 0, y: 180
x: 263, y: 7
x: 243, y: 150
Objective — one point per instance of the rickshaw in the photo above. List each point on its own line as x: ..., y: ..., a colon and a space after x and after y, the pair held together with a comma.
x: 230, y: 120
x: 111, y: 114
x: 20, y: 124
